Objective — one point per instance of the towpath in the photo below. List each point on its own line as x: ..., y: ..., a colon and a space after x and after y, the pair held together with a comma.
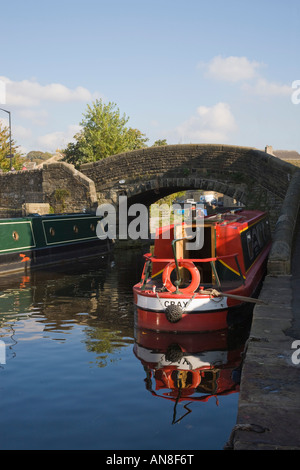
x: 269, y: 402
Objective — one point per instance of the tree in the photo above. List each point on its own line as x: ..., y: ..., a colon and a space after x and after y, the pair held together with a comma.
x: 5, y: 150
x: 160, y: 143
x: 38, y: 156
x: 103, y: 133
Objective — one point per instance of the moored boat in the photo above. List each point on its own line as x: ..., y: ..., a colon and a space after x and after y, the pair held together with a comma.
x: 184, y: 290
x: 35, y: 241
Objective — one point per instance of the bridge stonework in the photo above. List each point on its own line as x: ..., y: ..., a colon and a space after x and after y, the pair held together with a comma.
x: 257, y: 179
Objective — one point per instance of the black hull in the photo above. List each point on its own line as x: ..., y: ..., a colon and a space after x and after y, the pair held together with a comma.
x: 40, y: 257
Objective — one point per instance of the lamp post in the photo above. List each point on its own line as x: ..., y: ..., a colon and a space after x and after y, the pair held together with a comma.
x: 10, y: 154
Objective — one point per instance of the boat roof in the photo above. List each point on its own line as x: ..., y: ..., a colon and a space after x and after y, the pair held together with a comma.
x: 236, y: 217
x: 239, y: 218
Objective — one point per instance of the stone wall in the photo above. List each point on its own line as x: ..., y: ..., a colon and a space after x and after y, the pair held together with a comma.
x: 67, y: 189
x: 17, y: 188
x: 58, y: 184
x: 280, y: 257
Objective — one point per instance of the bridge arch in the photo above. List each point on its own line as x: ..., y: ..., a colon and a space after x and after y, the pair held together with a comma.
x: 152, y: 190
x: 252, y: 176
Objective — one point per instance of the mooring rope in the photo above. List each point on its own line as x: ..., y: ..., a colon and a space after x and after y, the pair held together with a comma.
x: 243, y: 427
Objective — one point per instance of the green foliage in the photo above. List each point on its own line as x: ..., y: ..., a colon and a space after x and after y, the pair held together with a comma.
x: 171, y: 197
x: 5, y: 150
x: 103, y: 133
x: 38, y: 156
x: 60, y: 196
x: 160, y: 143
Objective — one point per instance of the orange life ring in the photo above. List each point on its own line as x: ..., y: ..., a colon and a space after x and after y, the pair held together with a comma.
x: 189, y: 265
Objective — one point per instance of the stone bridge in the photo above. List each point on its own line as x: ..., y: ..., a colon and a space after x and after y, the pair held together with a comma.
x: 253, y: 177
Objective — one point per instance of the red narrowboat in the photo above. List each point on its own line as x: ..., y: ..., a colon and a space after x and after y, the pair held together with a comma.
x: 191, y: 290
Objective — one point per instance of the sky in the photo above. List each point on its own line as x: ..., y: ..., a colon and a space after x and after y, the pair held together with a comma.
x: 192, y: 71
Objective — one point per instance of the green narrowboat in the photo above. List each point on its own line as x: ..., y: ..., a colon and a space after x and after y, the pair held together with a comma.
x: 36, y: 240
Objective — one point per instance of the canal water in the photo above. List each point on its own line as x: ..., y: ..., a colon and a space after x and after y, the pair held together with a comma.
x: 77, y: 375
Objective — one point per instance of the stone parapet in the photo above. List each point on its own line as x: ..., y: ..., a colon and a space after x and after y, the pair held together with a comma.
x: 58, y: 184
x: 279, y: 262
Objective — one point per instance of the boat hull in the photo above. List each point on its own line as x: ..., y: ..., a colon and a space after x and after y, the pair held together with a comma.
x: 34, y: 242
x: 189, y: 322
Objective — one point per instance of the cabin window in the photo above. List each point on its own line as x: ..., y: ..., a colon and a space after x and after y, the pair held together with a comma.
x: 250, y: 245
x: 52, y: 231
x: 92, y: 227
x: 75, y: 229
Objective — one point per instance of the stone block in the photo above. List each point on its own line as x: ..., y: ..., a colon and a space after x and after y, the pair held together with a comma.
x: 35, y: 208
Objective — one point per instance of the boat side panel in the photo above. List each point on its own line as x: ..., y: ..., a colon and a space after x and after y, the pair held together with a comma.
x: 16, y: 235
x: 65, y: 230
x: 254, y: 239
x: 229, y: 242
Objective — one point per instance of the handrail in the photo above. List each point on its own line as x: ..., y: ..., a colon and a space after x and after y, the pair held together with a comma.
x: 150, y: 257
x: 212, y: 260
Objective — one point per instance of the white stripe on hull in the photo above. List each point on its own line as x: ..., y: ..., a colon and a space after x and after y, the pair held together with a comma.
x: 197, y: 304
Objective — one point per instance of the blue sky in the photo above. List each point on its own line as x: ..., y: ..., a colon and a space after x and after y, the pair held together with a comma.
x: 190, y: 71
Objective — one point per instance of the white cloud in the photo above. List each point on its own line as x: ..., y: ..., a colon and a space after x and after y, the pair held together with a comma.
x: 2, y: 92
x: 36, y: 116
x: 231, y: 69
x: 28, y: 93
x: 4, y: 122
x: 21, y: 132
x: 240, y: 69
x: 30, y: 102
x: 209, y: 124
x: 263, y: 87
x: 59, y: 139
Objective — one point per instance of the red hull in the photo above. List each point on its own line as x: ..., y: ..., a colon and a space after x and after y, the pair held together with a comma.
x: 190, y: 322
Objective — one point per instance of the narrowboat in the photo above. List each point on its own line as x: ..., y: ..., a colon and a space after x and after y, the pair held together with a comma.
x: 35, y: 241
x: 184, y: 290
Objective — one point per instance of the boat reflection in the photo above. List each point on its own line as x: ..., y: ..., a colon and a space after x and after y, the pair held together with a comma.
x: 192, y: 367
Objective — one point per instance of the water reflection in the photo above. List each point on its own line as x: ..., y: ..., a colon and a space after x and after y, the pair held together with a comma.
x: 51, y: 303
x: 192, y: 367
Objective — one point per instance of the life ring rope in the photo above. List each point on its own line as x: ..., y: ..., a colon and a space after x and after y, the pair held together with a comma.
x: 189, y: 265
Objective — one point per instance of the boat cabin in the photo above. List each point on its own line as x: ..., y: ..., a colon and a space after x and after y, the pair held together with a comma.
x: 231, y: 243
